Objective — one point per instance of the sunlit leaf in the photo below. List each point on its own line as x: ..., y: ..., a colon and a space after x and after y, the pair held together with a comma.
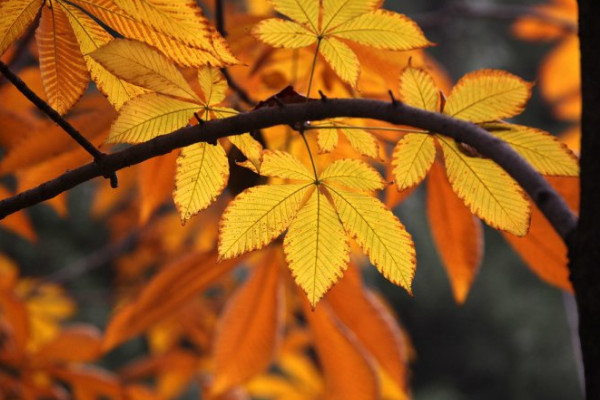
x: 202, y: 173
x: 64, y: 72
x: 257, y: 216
x: 16, y: 17
x: 142, y: 65
x: 353, y: 174
x: 487, y: 95
x: 248, y: 331
x: 379, y: 233
x: 413, y: 156
x: 486, y: 189
x: 148, y: 116
x: 417, y: 89
x: 284, y: 165
x: 316, y: 247
x: 457, y: 233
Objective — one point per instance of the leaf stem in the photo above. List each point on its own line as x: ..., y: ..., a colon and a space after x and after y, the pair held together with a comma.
x: 372, y: 128
x: 312, y: 68
x: 312, y: 161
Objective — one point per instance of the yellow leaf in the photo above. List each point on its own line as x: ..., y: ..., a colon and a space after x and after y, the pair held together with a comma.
x: 248, y: 333
x: 379, y: 233
x: 284, y: 165
x: 141, y: 65
x: 456, y: 232
x: 354, y: 174
x: 213, y: 85
x: 92, y: 36
x: 303, y: 11
x: 250, y: 147
x: 417, y: 89
x: 63, y: 68
x: 148, y: 116
x: 543, y: 151
x: 413, y: 156
x: 486, y: 189
x: 361, y: 141
x: 337, y: 12
x: 316, y: 247
x: 280, y: 33
x: 341, y: 58
x: 257, y: 216
x: 327, y: 139
x: 180, y: 19
x: 487, y: 95
x: 130, y: 27
x: 16, y: 17
x: 383, y: 30
x: 202, y: 173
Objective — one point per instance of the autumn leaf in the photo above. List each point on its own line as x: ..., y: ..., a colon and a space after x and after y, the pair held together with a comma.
x: 324, y: 24
x: 359, y: 138
x: 317, y: 211
x: 479, y: 97
x: 456, y: 232
x: 248, y: 332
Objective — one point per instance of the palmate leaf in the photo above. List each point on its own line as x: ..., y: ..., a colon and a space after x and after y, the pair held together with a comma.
x: 316, y: 247
x: 543, y: 151
x: 248, y: 332
x: 417, y: 89
x: 315, y: 244
x: 456, y: 232
x: 202, y: 173
x: 486, y: 189
x: 91, y: 37
x: 360, y: 139
x: 257, y: 216
x: 16, y: 17
x: 142, y: 65
x: 487, y: 95
x: 328, y: 21
x: 214, y: 52
x: 148, y: 116
x: 412, y: 158
x: 353, y: 174
x: 64, y: 72
x: 379, y: 233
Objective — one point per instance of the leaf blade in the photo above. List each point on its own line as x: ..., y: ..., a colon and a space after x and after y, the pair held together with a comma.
x: 412, y: 158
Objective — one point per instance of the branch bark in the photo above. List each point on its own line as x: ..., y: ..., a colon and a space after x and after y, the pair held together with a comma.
x: 56, y: 117
x: 584, y: 252
x: 544, y: 196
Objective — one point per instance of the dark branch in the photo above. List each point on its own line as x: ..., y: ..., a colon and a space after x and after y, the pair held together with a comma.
x: 220, y: 24
x: 56, y: 117
x: 546, y: 198
x: 460, y: 9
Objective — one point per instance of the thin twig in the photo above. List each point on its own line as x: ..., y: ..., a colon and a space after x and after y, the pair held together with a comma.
x: 544, y: 196
x: 56, y: 117
x: 461, y: 9
x: 220, y: 25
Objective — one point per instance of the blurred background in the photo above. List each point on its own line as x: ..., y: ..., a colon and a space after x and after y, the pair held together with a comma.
x: 512, y: 339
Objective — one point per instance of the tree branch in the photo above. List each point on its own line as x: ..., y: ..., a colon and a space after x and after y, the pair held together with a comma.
x: 461, y: 9
x: 544, y: 196
x: 220, y: 24
x: 56, y: 117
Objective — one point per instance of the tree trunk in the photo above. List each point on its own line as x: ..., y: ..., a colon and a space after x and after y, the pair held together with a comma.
x: 584, y: 245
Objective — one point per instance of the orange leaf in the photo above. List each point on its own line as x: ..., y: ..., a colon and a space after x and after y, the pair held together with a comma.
x: 89, y: 383
x: 169, y: 290
x: 75, y: 344
x: 542, y: 249
x: 14, y: 319
x: 63, y: 68
x: 374, y: 326
x: 18, y: 222
x: 248, y: 331
x: 348, y: 371
x: 456, y: 233
x: 156, y: 182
